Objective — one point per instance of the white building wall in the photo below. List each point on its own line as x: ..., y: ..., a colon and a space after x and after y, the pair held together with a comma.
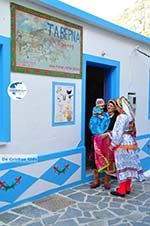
x: 4, y: 18
x: 31, y: 130
x: 134, y: 67
x: 31, y: 123
x: 31, y: 118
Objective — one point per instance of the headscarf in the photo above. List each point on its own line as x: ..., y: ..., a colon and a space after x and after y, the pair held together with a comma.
x: 124, y: 104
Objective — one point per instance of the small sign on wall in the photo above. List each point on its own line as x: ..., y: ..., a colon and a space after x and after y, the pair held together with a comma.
x: 43, y: 44
x: 63, y: 104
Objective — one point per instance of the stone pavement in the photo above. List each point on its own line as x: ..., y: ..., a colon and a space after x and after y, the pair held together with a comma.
x: 83, y: 206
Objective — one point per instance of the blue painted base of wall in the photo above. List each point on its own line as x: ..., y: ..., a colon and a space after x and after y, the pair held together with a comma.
x: 61, y: 167
x: 54, y: 172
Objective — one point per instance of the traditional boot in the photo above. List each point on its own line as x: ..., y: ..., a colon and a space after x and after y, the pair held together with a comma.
x: 128, y: 186
x: 121, y: 191
x: 107, y: 181
x: 96, y: 181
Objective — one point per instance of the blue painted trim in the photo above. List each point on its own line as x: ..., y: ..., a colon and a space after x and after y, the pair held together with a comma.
x: 145, y: 164
x: 63, y: 153
x: 53, y: 103
x: 113, y: 82
x: 79, y: 144
x: 41, y: 158
x: 50, y: 192
x: 4, y: 82
x: 83, y: 100
x: 149, y: 97
x: 96, y: 21
x: 59, y: 154
x: 83, y: 167
x: 84, y: 179
x: 144, y: 136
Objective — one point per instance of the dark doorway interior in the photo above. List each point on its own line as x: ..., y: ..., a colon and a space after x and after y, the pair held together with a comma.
x: 95, y: 81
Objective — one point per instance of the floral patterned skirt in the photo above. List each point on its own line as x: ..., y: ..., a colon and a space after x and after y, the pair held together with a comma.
x: 128, y: 165
x: 104, y: 158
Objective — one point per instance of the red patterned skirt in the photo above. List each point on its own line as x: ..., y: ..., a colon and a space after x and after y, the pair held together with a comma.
x: 104, y: 158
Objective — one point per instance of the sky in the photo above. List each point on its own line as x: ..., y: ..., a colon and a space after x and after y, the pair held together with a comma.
x: 106, y: 9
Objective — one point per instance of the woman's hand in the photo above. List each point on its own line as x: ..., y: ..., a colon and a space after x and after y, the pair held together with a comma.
x: 112, y: 148
x: 103, y: 135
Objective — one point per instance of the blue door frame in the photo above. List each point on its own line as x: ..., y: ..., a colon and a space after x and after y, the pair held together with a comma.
x: 113, y: 85
x: 4, y: 82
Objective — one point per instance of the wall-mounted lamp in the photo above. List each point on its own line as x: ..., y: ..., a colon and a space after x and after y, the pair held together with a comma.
x: 137, y: 48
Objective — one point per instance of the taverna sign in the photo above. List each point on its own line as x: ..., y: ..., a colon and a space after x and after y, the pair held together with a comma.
x: 63, y: 33
x: 43, y: 44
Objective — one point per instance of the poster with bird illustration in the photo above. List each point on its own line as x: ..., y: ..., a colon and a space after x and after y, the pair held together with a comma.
x: 63, y: 103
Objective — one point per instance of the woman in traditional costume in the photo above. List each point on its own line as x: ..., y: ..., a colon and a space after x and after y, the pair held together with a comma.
x: 125, y: 148
x: 104, y: 158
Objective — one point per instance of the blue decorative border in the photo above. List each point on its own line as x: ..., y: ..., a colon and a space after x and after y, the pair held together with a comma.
x: 40, y: 196
x: 53, y: 104
x: 84, y: 178
x: 96, y: 21
x: 113, y: 83
x: 43, y: 158
x: 4, y: 82
x: 144, y: 136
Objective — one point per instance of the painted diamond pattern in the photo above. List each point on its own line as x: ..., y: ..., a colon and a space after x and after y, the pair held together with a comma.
x: 145, y: 163
x: 13, y: 184
x: 138, y: 149
x: 60, y: 172
x: 146, y: 147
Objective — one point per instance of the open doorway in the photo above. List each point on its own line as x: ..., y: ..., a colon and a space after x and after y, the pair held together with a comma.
x: 96, y: 79
x: 101, y: 78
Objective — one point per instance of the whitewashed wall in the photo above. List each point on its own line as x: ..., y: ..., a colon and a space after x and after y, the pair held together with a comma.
x: 31, y: 130
x: 4, y: 18
x: 134, y: 67
x: 31, y: 118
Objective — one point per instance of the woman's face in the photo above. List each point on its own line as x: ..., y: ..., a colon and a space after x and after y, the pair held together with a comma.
x: 110, y: 108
